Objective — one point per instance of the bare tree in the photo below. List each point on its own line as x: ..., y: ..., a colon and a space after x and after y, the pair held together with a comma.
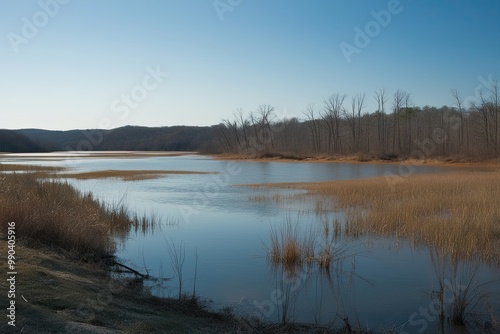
x: 313, y: 125
x: 495, y: 109
x: 381, y: 99
x: 232, y: 127
x: 334, y: 108
x: 243, y: 124
x: 409, y: 114
x: 224, y: 138
x: 397, y: 105
x: 483, y: 110
x: 266, y: 136
x: 459, y: 102
x: 354, y: 118
x: 360, y: 104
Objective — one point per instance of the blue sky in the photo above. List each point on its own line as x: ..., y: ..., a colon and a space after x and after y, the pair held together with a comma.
x: 68, y: 64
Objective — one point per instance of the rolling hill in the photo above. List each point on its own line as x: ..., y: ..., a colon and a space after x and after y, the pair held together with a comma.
x: 129, y: 138
x: 14, y: 142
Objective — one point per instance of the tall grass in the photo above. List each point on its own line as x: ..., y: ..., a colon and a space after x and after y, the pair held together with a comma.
x: 457, y: 212
x: 289, y: 246
x: 292, y: 246
x: 55, y: 213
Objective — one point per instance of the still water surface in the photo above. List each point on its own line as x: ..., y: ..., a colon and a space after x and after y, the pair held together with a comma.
x: 224, y: 230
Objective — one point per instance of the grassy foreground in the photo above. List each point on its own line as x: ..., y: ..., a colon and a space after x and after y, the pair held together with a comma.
x: 457, y: 212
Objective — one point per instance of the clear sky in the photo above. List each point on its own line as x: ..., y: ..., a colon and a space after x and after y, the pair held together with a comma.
x: 68, y: 64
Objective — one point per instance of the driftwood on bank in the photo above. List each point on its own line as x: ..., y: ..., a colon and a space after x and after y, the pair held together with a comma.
x: 135, y: 272
x: 111, y: 260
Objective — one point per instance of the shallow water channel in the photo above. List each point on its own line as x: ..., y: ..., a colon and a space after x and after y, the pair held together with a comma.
x: 224, y: 230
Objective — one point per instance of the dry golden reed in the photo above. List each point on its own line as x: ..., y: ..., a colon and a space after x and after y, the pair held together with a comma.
x: 293, y: 245
x: 457, y: 212
x: 54, y: 213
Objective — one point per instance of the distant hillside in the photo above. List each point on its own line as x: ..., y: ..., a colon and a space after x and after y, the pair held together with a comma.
x: 14, y: 142
x: 129, y: 138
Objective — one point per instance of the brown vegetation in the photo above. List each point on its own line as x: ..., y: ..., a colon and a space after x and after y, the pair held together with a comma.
x: 54, y: 213
x: 125, y: 175
x: 457, y: 212
x: 292, y: 246
x: 32, y: 168
x: 287, y: 247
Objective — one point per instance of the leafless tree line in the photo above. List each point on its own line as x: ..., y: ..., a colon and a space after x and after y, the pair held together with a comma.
x: 397, y: 128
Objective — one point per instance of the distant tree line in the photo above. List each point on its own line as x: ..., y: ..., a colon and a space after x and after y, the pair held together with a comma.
x: 341, y: 125
x: 396, y: 129
x: 13, y: 142
x: 128, y: 138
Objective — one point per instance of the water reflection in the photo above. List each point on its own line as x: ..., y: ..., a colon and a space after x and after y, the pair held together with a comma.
x: 325, y: 294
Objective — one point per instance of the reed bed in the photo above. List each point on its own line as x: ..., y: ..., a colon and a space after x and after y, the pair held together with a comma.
x: 457, y: 212
x: 293, y: 245
x: 54, y: 213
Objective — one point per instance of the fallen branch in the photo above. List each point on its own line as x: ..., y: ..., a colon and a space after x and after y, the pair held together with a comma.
x: 131, y: 270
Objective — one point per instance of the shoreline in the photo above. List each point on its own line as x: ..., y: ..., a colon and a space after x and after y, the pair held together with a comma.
x: 93, y: 154
x: 58, y: 293
x: 490, y: 163
x: 5, y: 157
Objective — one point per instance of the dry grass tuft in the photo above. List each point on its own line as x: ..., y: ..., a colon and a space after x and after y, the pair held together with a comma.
x: 54, y: 213
x: 286, y: 246
x: 459, y: 212
x: 293, y: 246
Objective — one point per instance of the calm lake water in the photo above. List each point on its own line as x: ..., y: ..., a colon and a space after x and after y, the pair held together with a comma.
x: 225, y: 229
